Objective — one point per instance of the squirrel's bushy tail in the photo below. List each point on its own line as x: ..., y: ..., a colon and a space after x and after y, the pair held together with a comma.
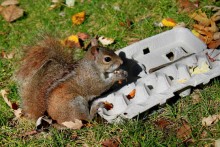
x: 37, y: 56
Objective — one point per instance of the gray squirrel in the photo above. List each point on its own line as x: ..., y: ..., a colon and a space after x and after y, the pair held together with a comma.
x: 51, y: 81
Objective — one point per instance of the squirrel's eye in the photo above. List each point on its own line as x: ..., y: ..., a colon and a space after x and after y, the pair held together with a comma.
x: 107, y: 59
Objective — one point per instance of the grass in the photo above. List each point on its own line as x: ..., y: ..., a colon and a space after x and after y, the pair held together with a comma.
x: 103, y: 19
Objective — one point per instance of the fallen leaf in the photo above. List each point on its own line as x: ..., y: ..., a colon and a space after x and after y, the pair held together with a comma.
x: 216, y: 36
x: 168, y: 22
x: 17, y: 112
x: 4, y: 94
x: 78, y: 18
x: 73, y: 125
x: 83, y: 36
x: 196, y: 97
x: 205, y: 36
x: 213, y: 28
x: 108, y: 106
x: 105, y: 41
x: 216, y: 16
x: 203, y: 68
x: 217, y: 143
x: 9, y: 2
x: 71, y: 41
x: 162, y: 123
x: 210, y: 120
x: 184, y: 131
x: 214, y: 44
x: 70, y: 3
x: 201, y: 18
x: 213, y: 8
x: 7, y: 56
x: 131, y: 94
x: 114, y: 142
x: 12, y: 13
x: 187, y: 5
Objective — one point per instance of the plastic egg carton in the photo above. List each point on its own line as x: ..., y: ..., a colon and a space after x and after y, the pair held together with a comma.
x: 171, y: 62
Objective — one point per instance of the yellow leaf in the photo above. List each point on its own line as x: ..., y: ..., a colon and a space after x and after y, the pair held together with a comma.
x: 195, y: 33
x: 78, y: 18
x: 168, y: 22
x: 71, y: 41
x: 201, y: 18
x: 73, y: 38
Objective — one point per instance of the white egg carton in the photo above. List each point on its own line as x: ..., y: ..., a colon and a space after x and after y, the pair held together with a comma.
x: 158, y: 67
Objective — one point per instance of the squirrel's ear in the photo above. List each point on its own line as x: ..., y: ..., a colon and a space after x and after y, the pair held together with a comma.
x: 94, y: 51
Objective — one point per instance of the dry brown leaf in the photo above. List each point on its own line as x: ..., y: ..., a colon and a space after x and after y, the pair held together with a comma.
x: 217, y: 143
x: 7, y: 56
x: 216, y: 16
x: 184, y: 131
x: 4, y: 94
x: 187, y: 5
x: 210, y: 120
x: 105, y: 41
x: 201, y: 18
x: 83, y: 36
x: 9, y: 2
x: 216, y: 36
x: 114, y: 142
x: 214, y: 44
x: 79, y: 18
x: 131, y: 94
x: 205, y: 36
x: 107, y: 105
x: 71, y: 42
x: 18, y: 111
x: 213, y: 28
x: 12, y: 13
x: 1, y: 8
x: 213, y: 8
x: 196, y: 97
x: 73, y: 125
x: 162, y: 123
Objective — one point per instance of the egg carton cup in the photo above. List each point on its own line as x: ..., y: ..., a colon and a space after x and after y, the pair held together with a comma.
x: 171, y: 62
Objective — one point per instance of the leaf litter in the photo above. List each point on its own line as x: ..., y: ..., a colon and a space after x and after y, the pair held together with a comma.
x: 11, y: 12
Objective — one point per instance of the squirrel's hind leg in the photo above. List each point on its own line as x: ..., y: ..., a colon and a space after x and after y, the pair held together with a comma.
x: 68, y: 109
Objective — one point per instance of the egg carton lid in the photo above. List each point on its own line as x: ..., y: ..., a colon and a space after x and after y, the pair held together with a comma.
x: 159, y: 66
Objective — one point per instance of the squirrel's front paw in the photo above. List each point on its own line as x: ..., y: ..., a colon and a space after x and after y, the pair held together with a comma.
x: 120, y: 74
